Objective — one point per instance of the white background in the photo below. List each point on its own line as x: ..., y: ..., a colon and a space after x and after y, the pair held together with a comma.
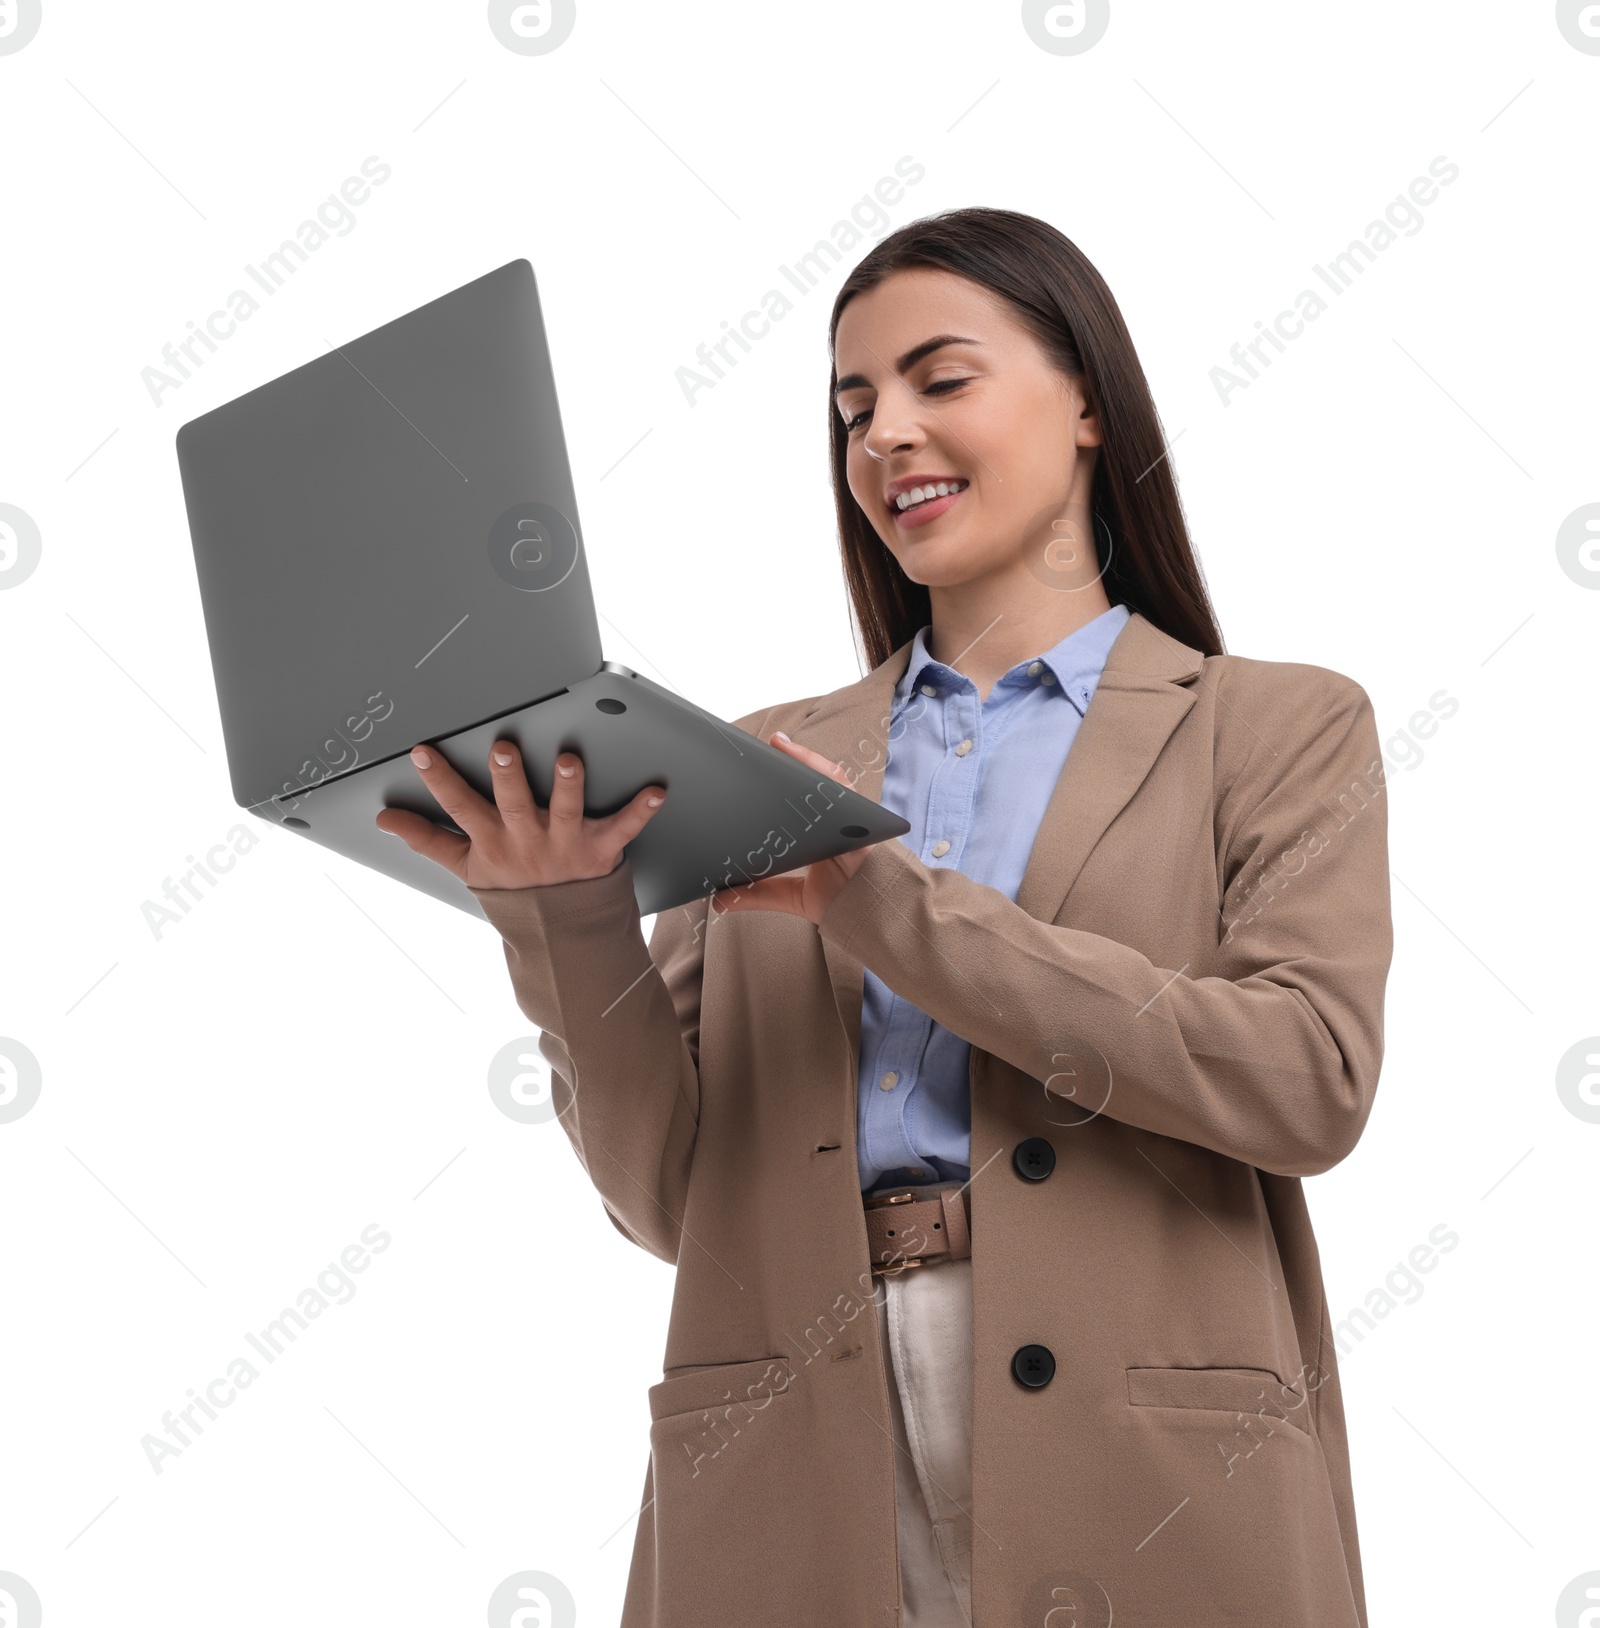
x: 227, y: 1106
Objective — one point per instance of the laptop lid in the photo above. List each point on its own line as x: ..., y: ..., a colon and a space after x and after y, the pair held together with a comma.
x: 387, y: 541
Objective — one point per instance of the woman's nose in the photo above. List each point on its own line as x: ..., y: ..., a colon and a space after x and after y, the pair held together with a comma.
x: 888, y: 435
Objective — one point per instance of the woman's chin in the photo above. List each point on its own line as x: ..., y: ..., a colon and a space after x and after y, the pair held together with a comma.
x: 941, y: 562
x: 924, y: 544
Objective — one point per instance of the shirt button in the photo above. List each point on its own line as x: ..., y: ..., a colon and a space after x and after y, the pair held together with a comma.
x: 928, y: 689
x: 888, y: 1081
x: 1049, y: 678
x: 963, y: 747
x: 1033, y: 668
x: 940, y: 849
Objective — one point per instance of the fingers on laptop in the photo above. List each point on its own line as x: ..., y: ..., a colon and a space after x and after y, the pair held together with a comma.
x: 628, y: 822
x: 422, y: 836
x: 470, y: 811
x: 566, y: 791
x: 566, y: 794
x: 513, y: 808
x: 512, y: 794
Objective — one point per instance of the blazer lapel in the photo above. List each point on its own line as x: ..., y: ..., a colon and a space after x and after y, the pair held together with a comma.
x: 1143, y: 694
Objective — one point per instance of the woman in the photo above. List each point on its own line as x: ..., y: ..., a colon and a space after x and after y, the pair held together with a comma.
x: 979, y: 1152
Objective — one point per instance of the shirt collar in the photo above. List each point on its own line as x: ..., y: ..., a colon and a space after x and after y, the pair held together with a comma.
x: 1076, y: 662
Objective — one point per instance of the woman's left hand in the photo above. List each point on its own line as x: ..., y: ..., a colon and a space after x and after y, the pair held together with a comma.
x: 810, y: 889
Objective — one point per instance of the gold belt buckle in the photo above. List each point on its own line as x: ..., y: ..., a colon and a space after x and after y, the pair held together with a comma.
x: 877, y: 1201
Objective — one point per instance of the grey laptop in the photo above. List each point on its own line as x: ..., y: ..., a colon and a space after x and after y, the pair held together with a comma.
x: 388, y: 551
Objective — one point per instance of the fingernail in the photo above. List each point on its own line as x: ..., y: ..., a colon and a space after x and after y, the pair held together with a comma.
x: 420, y: 757
x: 652, y: 802
x: 779, y: 735
x: 565, y: 769
x: 502, y: 758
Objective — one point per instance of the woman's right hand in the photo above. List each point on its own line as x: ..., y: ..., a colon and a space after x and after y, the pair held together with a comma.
x: 512, y: 842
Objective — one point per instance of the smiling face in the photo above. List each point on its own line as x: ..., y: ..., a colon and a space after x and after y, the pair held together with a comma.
x: 942, y: 386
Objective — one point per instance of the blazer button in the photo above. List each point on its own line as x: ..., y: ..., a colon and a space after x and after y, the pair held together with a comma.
x: 1034, y: 1158
x: 1034, y: 1365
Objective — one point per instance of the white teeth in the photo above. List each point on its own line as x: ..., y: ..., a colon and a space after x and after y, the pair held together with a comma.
x: 923, y: 494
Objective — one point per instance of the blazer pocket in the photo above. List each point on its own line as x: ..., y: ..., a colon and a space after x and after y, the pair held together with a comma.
x: 751, y: 1384
x: 1256, y: 1391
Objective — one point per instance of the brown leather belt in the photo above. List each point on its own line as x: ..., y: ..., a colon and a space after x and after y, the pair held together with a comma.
x: 905, y: 1229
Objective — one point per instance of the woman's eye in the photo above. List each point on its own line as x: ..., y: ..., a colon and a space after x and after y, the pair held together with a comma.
x: 940, y: 387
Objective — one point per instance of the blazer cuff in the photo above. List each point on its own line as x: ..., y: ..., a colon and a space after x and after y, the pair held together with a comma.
x: 889, y: 870
x: 512, y: 910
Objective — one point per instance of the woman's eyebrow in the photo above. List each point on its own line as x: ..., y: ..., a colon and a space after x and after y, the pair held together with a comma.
x: 909, y: 360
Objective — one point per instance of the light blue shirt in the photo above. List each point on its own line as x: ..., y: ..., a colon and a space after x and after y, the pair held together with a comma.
x: 974, y: 779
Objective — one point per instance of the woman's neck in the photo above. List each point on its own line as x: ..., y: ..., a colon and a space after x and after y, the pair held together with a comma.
x: 983, y: 638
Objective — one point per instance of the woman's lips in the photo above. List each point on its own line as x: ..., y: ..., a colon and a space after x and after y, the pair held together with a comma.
x: 924, y: 512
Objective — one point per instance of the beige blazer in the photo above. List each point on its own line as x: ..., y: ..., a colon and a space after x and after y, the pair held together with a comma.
x: 1186, y: 1002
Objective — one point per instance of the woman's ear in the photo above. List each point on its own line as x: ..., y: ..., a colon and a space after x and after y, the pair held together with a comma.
x: 1088, y: 425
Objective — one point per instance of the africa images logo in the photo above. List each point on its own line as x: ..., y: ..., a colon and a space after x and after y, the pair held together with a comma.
x: 19, y: 22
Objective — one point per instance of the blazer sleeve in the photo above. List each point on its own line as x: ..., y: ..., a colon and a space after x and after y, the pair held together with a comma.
x: 1271, y: 1053
x: 620, y: 1028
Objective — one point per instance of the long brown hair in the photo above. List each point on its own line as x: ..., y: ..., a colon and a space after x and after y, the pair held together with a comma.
x: 1059, y: 295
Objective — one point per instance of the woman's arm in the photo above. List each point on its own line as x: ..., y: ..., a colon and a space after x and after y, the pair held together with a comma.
x: 1273, y: 1056
x: 621, y: 1031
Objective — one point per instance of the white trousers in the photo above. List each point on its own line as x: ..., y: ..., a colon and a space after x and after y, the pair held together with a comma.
x: 925, y: 1333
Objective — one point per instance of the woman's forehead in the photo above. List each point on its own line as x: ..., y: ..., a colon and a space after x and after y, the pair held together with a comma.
x: 910, y: 307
